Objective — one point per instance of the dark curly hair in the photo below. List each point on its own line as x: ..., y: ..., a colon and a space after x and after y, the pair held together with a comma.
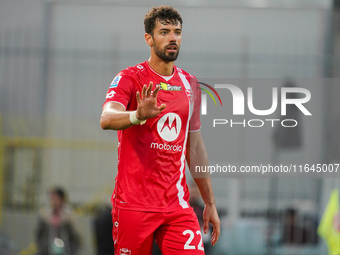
x: 59, y: 191
x: 164, y: 14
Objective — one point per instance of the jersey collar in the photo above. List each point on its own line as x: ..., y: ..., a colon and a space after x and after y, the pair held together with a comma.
x: 164, y: 77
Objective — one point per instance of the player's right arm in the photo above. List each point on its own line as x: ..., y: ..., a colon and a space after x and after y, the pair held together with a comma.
x: 114, y: 116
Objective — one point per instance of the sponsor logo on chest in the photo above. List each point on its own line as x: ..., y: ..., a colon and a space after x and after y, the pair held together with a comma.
x: 168, y: 87
x: 168, y: 128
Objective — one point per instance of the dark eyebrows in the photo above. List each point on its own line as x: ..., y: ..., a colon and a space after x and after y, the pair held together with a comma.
x: 168, y: 30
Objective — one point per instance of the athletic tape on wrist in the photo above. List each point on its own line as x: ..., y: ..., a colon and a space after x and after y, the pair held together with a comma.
x: 134, y: 120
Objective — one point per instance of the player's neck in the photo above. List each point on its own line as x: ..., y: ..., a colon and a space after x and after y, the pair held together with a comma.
x: 161, y: 67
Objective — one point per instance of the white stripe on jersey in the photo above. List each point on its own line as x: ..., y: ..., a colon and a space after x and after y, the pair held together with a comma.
x: 180, y: 193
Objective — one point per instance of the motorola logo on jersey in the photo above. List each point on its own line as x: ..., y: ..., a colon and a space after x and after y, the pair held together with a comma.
x: 169, y: 126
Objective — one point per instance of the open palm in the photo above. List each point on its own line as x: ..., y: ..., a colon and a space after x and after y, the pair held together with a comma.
x: 147, y: 103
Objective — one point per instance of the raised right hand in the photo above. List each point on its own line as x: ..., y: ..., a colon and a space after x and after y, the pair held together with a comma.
x: 147, y: 103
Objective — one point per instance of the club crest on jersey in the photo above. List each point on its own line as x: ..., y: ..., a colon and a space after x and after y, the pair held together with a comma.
x: 115, y: 81
x: 168, y: 87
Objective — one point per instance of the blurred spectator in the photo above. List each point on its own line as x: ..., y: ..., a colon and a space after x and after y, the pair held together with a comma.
x: 196, y: 204
x: 298, y: 230
x: 292, y: 233
x: 55, y: 233
x: 102, y: 225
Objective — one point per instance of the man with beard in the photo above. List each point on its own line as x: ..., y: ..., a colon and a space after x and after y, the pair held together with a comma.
x: 155, y: 107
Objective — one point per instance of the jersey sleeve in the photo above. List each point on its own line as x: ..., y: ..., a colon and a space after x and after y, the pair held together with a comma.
x: 195, y: 121
x: 121, y: 90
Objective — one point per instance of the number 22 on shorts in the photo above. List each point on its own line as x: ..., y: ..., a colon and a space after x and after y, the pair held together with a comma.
x: 188, y: 245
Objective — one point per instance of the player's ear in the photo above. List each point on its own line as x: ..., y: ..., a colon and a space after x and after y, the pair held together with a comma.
x: 148, y: 39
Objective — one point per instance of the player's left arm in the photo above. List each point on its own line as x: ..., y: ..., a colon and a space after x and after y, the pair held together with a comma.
x: 197, y: 156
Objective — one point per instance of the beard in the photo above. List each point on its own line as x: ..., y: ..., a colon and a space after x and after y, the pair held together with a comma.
x: 164, y: 55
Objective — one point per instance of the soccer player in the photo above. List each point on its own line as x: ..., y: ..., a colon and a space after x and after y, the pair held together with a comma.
x: 155, y: 107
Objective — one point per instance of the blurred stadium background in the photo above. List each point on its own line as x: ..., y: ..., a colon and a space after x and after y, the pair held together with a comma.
x: 57, y: 59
